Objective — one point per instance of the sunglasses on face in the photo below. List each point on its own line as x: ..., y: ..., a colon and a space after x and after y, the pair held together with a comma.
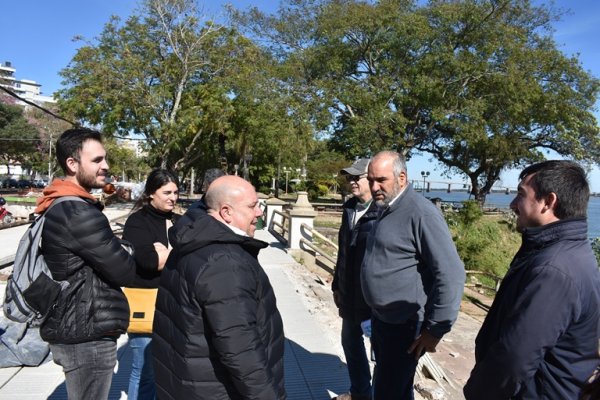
x: 354, y: 178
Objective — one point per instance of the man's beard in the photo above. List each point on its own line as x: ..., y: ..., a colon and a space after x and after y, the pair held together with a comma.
x: 388, y: 197
x: 88, y: 181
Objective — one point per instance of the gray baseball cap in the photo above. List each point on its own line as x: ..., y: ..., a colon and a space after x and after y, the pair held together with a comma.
x: 358, y: 168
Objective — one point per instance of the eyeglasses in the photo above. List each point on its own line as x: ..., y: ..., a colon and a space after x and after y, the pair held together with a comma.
x: 355, y: 178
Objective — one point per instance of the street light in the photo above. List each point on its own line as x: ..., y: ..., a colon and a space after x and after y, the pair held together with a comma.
x: 287, y: 172
x: 247, y: 160
x: 424, y: 174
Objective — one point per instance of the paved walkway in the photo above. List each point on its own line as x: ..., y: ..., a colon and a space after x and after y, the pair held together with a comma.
x: 313, y: 371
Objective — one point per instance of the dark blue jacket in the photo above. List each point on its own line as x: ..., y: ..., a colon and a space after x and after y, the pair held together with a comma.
x: 540, y: 338
x: 352, y: 244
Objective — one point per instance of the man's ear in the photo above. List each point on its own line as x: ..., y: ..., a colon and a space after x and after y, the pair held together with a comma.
x: 550, y: 202
x: 402, y: 179
x: 225, y: 212
x: 72, y: 166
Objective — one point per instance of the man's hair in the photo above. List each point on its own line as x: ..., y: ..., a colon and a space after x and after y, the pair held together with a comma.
x: 564, y: 178
x: 70, y: 143
x: 399, y: 162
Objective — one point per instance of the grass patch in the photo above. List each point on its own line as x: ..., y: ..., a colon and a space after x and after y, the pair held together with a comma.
x: 15, y: 199
x: 487, y: 244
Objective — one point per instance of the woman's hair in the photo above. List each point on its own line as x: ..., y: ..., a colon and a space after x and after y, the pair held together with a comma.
x: 157, y: 179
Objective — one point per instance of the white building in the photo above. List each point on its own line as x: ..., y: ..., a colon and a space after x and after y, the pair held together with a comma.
x: 25, y: 88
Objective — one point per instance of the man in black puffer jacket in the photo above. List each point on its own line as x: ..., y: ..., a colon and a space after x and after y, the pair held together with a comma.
x: 217, y: 331
x: 79, y: 247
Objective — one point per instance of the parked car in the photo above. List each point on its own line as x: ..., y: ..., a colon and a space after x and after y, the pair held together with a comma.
x: 10, y: 183
x: 40, y: 183
x: 24, y: 184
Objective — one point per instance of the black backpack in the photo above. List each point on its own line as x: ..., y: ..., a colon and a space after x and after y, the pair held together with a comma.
x: 30, y: 290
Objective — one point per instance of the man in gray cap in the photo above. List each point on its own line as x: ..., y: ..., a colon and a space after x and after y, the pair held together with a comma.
x: 359, y: 215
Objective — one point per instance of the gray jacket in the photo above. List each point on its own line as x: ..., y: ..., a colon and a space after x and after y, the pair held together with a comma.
x: 411, y: 270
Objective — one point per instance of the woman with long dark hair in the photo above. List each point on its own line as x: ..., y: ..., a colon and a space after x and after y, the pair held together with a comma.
x: 146, y: 229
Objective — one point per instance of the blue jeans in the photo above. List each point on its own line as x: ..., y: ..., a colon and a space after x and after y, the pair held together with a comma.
x: 395, y: 371
x: 141, y: 380
x: 356, y: 358
x: 88, y: 367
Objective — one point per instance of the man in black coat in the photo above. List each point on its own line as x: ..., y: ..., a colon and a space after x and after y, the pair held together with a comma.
x: 217, y: 331
x: 79, y: 247
x: 540, y: 337
x: 359, y: 216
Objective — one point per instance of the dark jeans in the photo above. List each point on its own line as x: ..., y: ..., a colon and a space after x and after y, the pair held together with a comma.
x: 88, y: 367
x: 141, y: 380
x: 396, y: 368
x: 356, y: 358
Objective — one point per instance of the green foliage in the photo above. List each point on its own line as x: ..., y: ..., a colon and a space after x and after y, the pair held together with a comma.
x: 487, y: 244
x: 596, y: 247
x: 480, y: 85
x: 470, y: 212
x: 19, y: 139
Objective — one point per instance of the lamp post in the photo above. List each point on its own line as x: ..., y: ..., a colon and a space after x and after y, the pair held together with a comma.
x: 50, y: 160
x: 236, y: 167
x: 287, y: 172
x: 247, y: 160
x: 424, y: 174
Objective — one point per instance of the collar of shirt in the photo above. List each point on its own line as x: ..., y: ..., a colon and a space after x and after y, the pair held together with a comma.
x: 236, y: 230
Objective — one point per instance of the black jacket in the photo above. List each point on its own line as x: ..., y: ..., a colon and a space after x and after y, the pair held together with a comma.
x: 142, y: 229
x: 540, y: 337
x: 80, y: 247
x: 351, y: 250
x: 217, y: 331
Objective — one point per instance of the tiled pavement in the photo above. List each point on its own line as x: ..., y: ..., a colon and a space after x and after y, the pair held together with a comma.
x: 313, y: 370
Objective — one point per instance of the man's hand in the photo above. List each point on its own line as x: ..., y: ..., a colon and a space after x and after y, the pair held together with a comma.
x: 336, y: 298
x: 425, y: 342
x: 163, y: 253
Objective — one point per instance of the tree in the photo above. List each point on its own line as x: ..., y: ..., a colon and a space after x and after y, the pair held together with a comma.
x: 200, y: 94
x: 43, y: 159
x: 151, y: 76
x: 480, y: 85
x: 19, y: 139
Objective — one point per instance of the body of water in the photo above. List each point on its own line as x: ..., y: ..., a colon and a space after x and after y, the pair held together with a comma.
x: 502, y: 200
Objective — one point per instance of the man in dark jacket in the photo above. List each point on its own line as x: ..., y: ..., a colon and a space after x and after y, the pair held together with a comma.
x: 80, y: 248
x: 540, y: 337
x: 359, y: 215
x: 217, y: 331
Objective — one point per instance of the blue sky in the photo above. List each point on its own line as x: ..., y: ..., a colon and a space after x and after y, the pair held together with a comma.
x: 37, y: 39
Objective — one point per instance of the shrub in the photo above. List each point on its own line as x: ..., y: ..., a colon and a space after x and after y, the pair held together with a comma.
x: 596, y: 247
x: 470, y: 212
x: 487, y: 244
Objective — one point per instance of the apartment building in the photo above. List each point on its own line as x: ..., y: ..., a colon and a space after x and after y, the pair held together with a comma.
x: 25, y: 88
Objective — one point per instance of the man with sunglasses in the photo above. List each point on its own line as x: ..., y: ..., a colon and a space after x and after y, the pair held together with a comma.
x: 359, y: 215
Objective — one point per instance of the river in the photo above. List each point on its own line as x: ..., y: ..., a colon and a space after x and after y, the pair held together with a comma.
x: 502, y: 200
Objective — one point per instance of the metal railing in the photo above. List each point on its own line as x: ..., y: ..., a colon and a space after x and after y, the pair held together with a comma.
x: 495, y: 278
x: 281, y: 229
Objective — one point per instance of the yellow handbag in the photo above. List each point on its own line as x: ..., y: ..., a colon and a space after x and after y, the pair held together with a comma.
x: 141, y: 309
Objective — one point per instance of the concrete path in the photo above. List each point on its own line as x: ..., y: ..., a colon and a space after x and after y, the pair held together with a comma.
x: 313, y: 371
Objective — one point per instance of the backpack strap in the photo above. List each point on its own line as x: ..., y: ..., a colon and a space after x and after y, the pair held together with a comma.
x: 60, y: 200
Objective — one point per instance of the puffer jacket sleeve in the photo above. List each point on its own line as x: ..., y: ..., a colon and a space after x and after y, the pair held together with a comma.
x: 92, y: 239
x: 228, y: 291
